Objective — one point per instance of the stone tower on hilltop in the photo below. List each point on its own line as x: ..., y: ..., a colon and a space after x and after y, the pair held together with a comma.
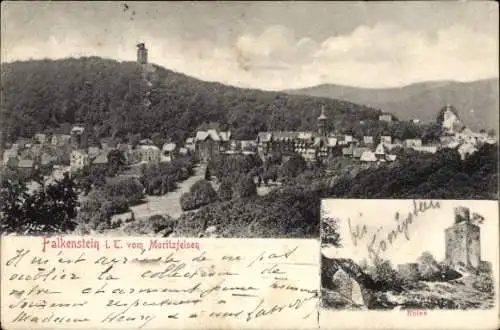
x: 463, y: 245
x: 142, y: 54
x: 322, y: 122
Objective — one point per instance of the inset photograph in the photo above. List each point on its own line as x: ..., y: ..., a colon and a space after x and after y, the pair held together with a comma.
x: 409, y: 254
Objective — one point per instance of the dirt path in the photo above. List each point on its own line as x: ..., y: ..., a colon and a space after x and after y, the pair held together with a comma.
x: 170, y: 202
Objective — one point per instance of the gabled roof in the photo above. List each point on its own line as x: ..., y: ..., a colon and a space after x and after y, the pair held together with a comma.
x: 189, y: 140
x: 212, y: 134
x: 368, y: 139
x: 381, y: 149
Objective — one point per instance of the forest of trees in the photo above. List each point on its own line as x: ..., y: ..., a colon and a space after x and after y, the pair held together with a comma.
x: 293, y: 210
x: 107, y: 97
x: 422, y: 175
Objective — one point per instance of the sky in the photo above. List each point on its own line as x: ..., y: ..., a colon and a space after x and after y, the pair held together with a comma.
x: 268, y: 45
x: 426, y: 232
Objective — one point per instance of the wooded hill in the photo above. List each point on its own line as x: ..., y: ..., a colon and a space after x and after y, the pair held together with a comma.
x: 107, y: 96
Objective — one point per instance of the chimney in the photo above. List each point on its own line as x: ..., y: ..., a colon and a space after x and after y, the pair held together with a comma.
x: 462, y: 214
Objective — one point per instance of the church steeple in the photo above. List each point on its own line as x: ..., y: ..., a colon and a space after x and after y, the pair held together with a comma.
x: 322, y: 121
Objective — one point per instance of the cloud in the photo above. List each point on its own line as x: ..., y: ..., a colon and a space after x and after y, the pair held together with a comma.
x: 381, y: 55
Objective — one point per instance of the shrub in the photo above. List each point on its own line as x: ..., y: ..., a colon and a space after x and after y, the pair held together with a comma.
x: 187, y: 202
x: 225, y: 190
x: 484, y: 283
x: 150, y: 226
x: 295, y: 165
x: 159, y: 179
x: 385, y: 277
x: 200, y: 194
x: 50, y: 209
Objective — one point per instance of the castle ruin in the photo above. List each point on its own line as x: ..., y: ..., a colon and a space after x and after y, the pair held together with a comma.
x: 463, y: 246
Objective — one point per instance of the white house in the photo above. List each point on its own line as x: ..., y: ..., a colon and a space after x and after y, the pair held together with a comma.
x: 149, y: 153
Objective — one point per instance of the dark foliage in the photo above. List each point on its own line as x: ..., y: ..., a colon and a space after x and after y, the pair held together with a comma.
x: 49, y: 209
x: 116, y: 162
x: 232, y: 167
x: 422, y: 175
x: 200, y: 194
x: 330, y: 232
x: 294, y: 166
x: 291, y: 212
x: 115, y: 197
x: 154, y: 225
x: 245, y: 187
x: 158, y: 179
x: 225, y: 190
x: 108, y: 96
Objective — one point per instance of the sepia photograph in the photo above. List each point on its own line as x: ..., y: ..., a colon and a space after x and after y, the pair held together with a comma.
x: 235, y: 119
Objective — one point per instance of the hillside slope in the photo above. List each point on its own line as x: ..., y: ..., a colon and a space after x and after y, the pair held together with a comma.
x: 107, y: 96
x: 477, y: 102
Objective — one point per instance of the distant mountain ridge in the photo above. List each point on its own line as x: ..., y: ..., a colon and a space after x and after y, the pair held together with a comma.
x: 477, y: 102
